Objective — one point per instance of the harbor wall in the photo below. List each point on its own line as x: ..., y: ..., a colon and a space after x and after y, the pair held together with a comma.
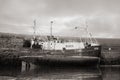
x: 110, y: 55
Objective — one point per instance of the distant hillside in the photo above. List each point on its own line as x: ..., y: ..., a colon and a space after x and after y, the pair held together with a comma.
x: 109, y: 41
x: 110, y: 52
x: 8, y: 40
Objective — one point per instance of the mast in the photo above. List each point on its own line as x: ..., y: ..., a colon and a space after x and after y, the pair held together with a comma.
x: 49, y: 43
x: 90, y: 35
x: 95, y: 41
x: 34, y: 29
x: 51, y: 28
x: 89, y: 40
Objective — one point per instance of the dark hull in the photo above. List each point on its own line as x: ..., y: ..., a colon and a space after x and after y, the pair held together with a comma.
x: 62, y: 61
x: 86, y: 57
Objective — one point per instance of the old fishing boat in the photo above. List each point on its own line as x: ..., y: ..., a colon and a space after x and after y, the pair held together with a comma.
x: 59, y: 52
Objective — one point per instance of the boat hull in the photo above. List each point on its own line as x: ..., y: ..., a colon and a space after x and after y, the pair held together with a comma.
x: 61, y: 60
x: 89, y: 56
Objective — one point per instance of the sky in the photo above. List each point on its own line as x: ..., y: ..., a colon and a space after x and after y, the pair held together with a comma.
x: 101, y: 16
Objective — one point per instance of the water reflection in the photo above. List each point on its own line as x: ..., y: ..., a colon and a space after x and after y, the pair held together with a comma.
x: 110, y: 73
x: 63, y: 73
x: 81, y: 73
x: 9, y: 71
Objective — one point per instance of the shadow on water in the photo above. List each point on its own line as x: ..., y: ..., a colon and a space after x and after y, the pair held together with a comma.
x: 9, y: 71
x: 110, y: 73
x: 81, y: 73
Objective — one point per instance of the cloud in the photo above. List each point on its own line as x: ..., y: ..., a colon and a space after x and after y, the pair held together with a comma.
x: 101, y: 25
x: 103, y: 16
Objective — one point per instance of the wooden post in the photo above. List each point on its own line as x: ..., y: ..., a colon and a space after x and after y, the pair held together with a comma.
x: 26, y: 66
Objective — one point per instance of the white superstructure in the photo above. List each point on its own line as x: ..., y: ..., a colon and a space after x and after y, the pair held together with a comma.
x: 56, y: 44
x: 59, y: 45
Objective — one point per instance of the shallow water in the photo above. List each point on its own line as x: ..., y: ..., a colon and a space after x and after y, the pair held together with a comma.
x: 79, y: 73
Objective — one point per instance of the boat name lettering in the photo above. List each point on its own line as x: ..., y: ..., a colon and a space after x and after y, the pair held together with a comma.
x: 69, y: 45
